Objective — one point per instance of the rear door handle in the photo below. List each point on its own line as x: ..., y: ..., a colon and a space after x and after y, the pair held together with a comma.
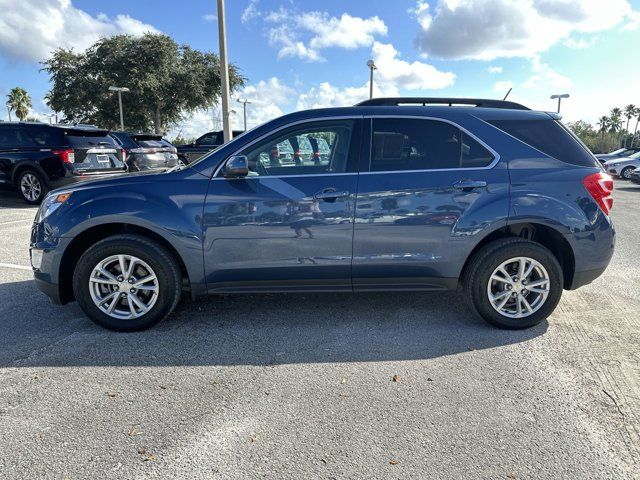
x: 330, y: 194
x: 468, y: 185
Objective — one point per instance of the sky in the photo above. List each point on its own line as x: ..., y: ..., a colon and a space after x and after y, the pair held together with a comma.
x: 310, y: 54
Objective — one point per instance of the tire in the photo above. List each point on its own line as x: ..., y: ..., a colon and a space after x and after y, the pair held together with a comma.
x: 152, y: 260
x: 31, y: 186
x: 478, y: 283
x: 626, y: 172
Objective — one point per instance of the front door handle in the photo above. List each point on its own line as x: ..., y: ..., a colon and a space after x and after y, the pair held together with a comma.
x: 330, y: 194
x: 468, y: 185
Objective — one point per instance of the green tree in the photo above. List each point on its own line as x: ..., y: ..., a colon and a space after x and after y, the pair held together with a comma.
x: 615, y: 120
x: 629, y: 113
x: 167, y: 81
x: 19, y: 102
x: 635, y: 130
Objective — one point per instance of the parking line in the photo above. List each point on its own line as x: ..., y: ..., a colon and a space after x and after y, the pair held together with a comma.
x: 17, y: 267
x: 16, y: 221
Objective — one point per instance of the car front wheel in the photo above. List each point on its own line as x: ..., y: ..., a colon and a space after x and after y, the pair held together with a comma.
x: 626, y: 173
x: 514, y: 283
x: 127, y: 283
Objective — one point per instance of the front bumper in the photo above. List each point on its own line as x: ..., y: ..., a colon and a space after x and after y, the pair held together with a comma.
x: 46, y: 256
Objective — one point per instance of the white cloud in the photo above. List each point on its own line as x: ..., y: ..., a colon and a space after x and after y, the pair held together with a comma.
x: 31, y: 29
x: 494, y: 69
x: 303, y: 35
x: 488, y: 29
x: 392, y: 76
x: 633, y: 21
x: 250, y: 12
x: 578, y: 44
x: 546, y: 77
x: 210, y: 17
x: 502, y: 86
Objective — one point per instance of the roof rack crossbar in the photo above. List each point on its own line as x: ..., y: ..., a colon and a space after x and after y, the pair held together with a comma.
x: 424, y: 101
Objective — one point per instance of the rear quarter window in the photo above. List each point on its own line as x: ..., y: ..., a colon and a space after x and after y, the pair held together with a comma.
x: 550, y: 137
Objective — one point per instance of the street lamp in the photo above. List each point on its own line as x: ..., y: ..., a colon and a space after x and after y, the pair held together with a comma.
x: 559, y: 97
x: 244, y: 108
x: 52, y: 115
x: 372, y: 67
x: 120, y: 90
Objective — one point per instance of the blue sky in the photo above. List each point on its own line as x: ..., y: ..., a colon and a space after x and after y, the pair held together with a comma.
x: 305, y: 54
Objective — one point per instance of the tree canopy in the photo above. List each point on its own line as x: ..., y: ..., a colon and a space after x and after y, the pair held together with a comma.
x: 19, y: 101
x: 166, y: 81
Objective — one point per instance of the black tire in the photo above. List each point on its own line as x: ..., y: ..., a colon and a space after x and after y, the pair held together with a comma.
x: 155, y: 255
x: 626, y: 172
x: 33, y: 176
x: 488, y: 258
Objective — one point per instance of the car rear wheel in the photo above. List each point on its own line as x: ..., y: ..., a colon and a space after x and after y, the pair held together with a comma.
x: 31, y: 186
x: 626, y: 173
x: 514, y: 283
x: 127, y: 283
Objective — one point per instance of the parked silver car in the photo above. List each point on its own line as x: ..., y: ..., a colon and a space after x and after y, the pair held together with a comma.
x: 622, y: 167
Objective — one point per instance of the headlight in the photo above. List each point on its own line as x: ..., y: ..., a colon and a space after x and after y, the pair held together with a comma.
x: 50, y: 204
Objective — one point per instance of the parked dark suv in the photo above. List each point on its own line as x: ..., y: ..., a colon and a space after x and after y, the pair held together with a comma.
x: 36, y: 157
x: 203, y: 145
x: 481, y: 194
x: 146, y: 151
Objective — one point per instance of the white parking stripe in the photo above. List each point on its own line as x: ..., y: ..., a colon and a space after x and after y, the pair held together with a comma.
x: 16, y: 221
x: 17, y: 267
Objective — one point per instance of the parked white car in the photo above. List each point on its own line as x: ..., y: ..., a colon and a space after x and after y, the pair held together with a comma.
x: 622, y: 167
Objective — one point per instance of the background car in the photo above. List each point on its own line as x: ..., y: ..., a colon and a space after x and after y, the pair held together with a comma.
x: 619, y: 153
x: 623, y: 167
x: 635, y: 176
x: 36, y: 157
x: 146, y: 151
x: 204, y: 144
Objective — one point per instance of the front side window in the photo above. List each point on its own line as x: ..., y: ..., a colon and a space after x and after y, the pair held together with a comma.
x: 314, y: 148
x: 416, y: 144
x: 206, y: 139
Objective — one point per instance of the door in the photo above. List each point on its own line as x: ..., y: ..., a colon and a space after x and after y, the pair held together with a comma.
x: 15, y: 146
x: 430, y: 190
x: 288, y: 225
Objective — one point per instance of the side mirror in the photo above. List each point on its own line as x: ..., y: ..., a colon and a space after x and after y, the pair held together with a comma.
x: 236, y: 167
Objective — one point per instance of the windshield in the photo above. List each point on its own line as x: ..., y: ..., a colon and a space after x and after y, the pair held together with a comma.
x: 635, y: 155
x: 615, y: 152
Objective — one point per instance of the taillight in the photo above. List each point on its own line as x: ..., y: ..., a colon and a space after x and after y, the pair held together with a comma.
x: 67, y: 155
x: 600, y: 185
x: 124, y: 154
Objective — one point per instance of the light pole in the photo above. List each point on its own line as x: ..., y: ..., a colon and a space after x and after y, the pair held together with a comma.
x: 559, y: 97
x: 244, y: 110
x: 224, y: 74
x: 120, y: 90
x: 52, y: 115
x: 372, y: 67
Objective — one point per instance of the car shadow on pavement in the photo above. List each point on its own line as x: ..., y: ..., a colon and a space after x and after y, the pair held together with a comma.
x: 628, y: 189
x: 11, y: 199
x: 256, y: 329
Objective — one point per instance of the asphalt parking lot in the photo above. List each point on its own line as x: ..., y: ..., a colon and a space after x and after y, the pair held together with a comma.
x: 302, y: 386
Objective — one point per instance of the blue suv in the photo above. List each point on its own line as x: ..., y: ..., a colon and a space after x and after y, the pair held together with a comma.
x: 420, y: 194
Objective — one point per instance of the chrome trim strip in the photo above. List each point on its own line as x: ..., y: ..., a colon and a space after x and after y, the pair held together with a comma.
x: 283, y: 127
x: 315, y: 175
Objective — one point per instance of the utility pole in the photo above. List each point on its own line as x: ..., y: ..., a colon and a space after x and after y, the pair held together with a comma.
x: 120, y: 90
x: 559, y: 97
x: 372, y: 67
x: 244, y: 108
x: 9, y: 111
x: 224, y: 74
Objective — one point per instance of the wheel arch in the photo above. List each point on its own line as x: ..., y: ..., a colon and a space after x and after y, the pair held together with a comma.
x: 542, y: 234
x: 28, y: 165
x: 90, y: 236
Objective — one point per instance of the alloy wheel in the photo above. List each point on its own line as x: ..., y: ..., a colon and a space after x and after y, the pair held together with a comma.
x: 123, y: 287
x: 518, y: 287
x: 30, y: 187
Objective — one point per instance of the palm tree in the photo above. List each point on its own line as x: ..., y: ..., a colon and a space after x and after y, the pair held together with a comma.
x: 603, y: 123
x: 629, y: 113
x: 635, y: 130
x: 19, y: 101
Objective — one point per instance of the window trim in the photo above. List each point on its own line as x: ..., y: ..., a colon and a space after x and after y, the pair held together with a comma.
x: 496, y: 155
x: 218, y: 170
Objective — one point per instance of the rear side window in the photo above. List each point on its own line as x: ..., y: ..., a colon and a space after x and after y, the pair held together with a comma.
x: 415, y: 144
x: 47, y: 136
x: 550, y: 137
x: 14, y: 136
x: 84, y: 141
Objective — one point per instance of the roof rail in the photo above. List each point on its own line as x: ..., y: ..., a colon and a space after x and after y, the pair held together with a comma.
x: 424, y: 101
